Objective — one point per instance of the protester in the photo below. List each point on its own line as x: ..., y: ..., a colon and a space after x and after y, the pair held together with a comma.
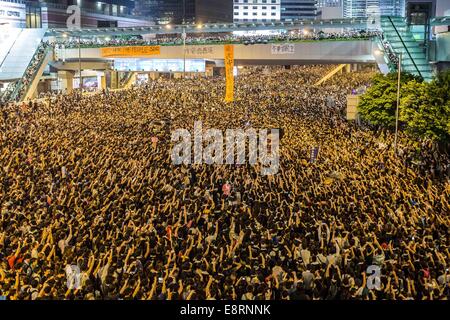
x: 215, y: 38
x: 88, y: 182
x: 16, y: 89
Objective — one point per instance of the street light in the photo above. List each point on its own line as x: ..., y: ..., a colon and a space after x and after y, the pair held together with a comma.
x: 399, y: 67
x: 184, y: 39
x: 398, y: 101
x: 184, y: 51
x: 79, y: 65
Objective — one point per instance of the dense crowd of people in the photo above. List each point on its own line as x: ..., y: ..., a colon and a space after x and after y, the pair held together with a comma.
x: 391, y: 55
x: 298, y: 35
x: 88, y: 181
x: 16, y: 89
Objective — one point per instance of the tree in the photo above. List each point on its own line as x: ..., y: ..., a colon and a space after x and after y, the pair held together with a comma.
x: 442, y: 83
x: 425, y: 108
x: 379, y: 103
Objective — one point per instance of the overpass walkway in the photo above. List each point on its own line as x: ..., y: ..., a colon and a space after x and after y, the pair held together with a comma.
x: 20, y: 53
x: 23, y: 62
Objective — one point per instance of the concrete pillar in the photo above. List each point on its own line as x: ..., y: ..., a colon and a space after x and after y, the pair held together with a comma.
x: 103, y: 82
x: 209, y: 71
x: 101, y: 79
x: 154, y: 75
x: 114, y: 79
x: 65, y: 78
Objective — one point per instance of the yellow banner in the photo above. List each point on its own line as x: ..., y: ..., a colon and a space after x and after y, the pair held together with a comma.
x: 136, y: 51
x: 229, y: 66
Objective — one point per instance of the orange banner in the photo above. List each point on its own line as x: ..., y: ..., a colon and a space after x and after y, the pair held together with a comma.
x: 229, y: 66
x: 136, y: 51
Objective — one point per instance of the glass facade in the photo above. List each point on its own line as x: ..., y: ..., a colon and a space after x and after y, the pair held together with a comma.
x: 298, y: 9
x: 329, y: 3
x: 392, y: 8
x: 33, y: 17
x: 189, y: 11
x: 364, y: 8
x: 160, y: 65
x: 53, y: 13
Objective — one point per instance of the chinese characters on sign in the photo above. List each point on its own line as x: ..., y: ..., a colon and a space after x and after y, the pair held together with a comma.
x: 136, y: 51
x: 229, y: 66
x: 285, y: 48
x: 198, y: 50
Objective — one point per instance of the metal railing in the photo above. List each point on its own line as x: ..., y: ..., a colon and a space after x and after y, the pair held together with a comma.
x: 64, y: 7
x: 18, y: 92
x: 360, y: 23
x: 124, y: 80
x: 214, y: 42
x: 404, y: 45
x: 392, y: 64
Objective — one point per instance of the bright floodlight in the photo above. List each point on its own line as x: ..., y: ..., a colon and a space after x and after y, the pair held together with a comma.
x: 168, y: 26
x: 199, y: 26
x: 378, y: 52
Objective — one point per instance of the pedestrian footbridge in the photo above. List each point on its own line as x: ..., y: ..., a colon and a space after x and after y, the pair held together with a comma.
x: 283, y: 53
x: 24, y: 58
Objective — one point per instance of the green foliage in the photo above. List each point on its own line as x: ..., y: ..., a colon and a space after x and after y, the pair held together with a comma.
x: 424, y: 107
x: 379, y: 103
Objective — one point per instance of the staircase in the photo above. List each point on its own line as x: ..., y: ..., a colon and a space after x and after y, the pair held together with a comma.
x: 128, y: 80
x: 25, y: 87
x: 20, y: 54
x: 31, y: 89
x: 414, y: 59
x: 331, y: 74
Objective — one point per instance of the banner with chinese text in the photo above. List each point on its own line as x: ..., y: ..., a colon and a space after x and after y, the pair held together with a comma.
x: 229, y: 66
x: 134, y: 51
x: 286, y: 48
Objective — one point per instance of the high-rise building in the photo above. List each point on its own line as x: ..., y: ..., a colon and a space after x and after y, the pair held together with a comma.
x: 329, y: 3
x: 364, y: 8
x: 356, y: 8
x: 392, y: 7
x: 274, y: 10
x: 189, y: 11
x: 103, y: 13
x: 258, y: 10
x: 298, y: 9
x: 329, y: 9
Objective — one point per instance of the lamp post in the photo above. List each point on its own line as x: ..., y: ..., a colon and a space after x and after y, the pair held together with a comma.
x: 79, y: 65
x: 184, y: 51
x: 184, y: 39
x: 398, y: 102
x: 399, y: 69
x: 184, y: 48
